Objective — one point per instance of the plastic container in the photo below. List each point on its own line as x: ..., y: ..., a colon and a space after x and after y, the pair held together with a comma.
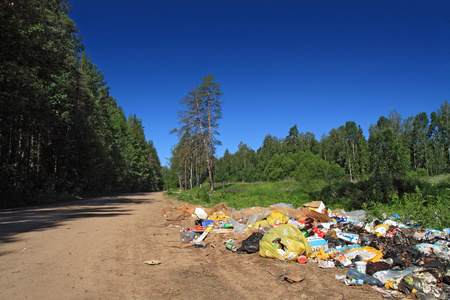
x: 361, y: 266
x: 187, y: 236
x: 352, y: 273
x: 302, y: 259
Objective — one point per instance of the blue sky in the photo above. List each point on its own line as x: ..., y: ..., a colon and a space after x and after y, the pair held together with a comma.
x: 316, y: 63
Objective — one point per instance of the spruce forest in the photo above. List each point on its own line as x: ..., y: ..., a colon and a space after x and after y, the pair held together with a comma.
x: 61, y: 132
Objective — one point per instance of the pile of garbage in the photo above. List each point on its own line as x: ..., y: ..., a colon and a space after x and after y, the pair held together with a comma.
x: 397, y: 259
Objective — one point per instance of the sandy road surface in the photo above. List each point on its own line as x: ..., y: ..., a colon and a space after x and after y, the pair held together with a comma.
x: 96, y: 248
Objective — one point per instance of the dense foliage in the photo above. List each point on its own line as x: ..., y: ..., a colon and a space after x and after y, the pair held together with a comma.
x: 61, y: 132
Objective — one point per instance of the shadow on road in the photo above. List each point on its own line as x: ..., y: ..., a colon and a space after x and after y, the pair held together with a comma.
x: 16, y: 221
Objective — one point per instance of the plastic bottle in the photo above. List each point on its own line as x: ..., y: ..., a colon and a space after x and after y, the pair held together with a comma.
x: 352, y: 273
x: 187, y: 236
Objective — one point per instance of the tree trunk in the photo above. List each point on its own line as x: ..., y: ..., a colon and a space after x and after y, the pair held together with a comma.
x: 206, y: 148
x: 190, y: 177
x: 185, y: 175
x: 350, y: 168
x: 210, y: 142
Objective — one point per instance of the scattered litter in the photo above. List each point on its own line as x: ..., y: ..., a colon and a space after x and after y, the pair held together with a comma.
x: 152, y: 262
x: 353, y: 281
x: 398, y: 259
x: 292, y: 277
x: 326, y: 264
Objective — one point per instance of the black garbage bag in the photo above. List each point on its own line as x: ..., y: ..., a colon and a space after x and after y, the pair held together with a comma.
x: 433, y: 264
x: 368, y: 240
x: 251, y: 244
x: 397, y: 261
x: 373, y: 267
x: 446, y: 277
x: 334, y: 243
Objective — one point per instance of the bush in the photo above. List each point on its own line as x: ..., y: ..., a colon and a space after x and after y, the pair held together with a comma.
x: 429, y: 211
x: 377, y: 189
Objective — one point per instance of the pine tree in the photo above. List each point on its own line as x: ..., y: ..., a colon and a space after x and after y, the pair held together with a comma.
x: 200, y: 118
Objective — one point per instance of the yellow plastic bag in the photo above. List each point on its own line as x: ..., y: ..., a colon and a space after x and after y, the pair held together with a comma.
x: 218, y: 216
x: 291, y: 240
x: 322, y: 254
x: 277, y: 217
x: 262, y: 223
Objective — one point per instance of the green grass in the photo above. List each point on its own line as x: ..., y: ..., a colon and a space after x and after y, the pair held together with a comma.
x: 438, y: 180
x: 244, y: 195
x: 428, y: 210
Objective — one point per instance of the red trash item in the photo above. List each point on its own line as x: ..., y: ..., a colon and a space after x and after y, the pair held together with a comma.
x: 302, y: 259
x: 318, y: 232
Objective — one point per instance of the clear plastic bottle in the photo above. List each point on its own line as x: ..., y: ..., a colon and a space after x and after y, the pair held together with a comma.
x: 352, y: 273
x: 187, y: 236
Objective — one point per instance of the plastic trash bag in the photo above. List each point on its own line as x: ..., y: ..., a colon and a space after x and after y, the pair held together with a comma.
x: 252, y: 220
x: 290, y: 239
x: 356, y: 215
x: 262, y: 223
x: 284, y: 204
x: 218, y: 216
x: 277, y: 217
x: 238, y: 228
x: 392, y: 275
x: 251, y: 244
x: 428, y: 249
x: 373, y: 267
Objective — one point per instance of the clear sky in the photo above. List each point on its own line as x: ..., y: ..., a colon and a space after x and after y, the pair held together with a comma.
x: 313, y: 63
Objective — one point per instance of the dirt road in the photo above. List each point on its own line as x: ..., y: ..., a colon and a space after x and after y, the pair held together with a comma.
x: 96, y: 248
